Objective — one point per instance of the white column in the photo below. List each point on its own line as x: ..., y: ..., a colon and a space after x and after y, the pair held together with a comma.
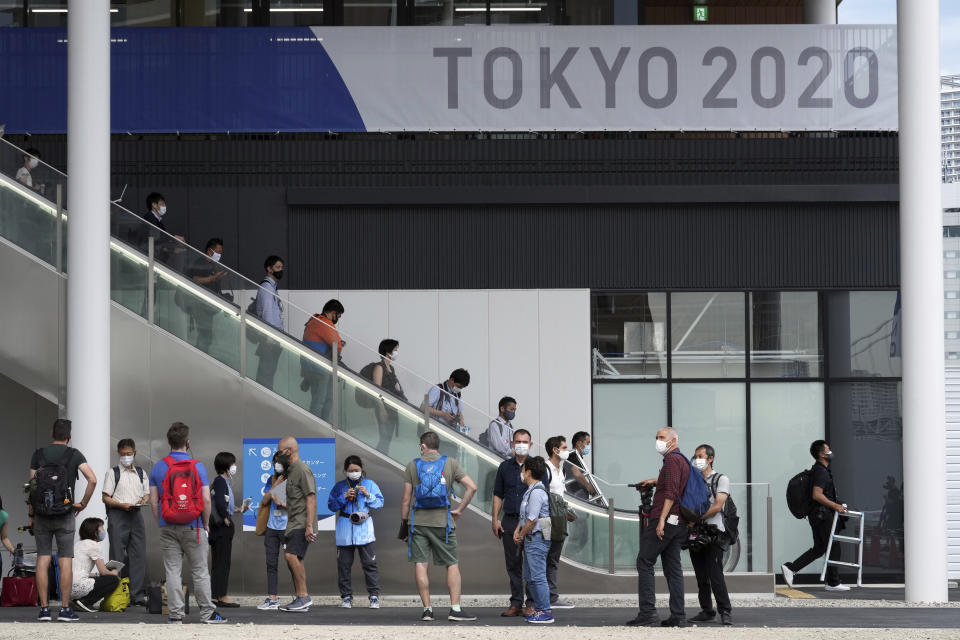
x: 820, y: 12
x: 88, y: 233
x: 921, y: 283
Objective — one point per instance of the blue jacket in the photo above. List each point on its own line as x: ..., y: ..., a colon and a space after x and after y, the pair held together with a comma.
x: 349, y: 534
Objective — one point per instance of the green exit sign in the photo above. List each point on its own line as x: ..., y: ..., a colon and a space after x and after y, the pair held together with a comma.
x: 701, y: 14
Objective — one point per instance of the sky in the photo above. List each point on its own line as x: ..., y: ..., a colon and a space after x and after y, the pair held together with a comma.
x: 885, y: 12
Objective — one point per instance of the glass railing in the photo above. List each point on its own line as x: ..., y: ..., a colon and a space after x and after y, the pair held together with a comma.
x: 205, y: 304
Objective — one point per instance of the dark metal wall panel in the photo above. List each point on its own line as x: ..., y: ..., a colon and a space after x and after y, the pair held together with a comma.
x: 608, y: 247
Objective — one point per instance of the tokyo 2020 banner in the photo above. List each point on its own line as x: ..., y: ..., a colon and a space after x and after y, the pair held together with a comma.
x: 520, y: 78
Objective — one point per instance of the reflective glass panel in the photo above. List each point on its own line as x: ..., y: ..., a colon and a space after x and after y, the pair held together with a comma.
x: 526, y: 12
x: 372, y: 13
x: 629, y: 335
x: 157, y: 13
x: 299, y: 13
x: 785, y: 335
x: 708, y: 335
x: 863, y: 329
x: 450, y: 12
x: 590, y: 12
x: 11, y: 13
x: 713, y: 413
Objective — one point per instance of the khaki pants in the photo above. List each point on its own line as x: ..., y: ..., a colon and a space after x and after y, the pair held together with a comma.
x: 177, y: 541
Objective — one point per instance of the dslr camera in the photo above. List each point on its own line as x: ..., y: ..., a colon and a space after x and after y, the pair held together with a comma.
x: 358, y: 516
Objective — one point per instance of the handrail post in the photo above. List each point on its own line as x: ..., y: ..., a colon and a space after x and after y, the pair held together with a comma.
x: 335, y: 384
x: 243, y: 341
x: 62, y: 302
x: 426, y: 412
x: 610, y: 521
x: 59, y: 257
x: 151, y: 264
x: 769, y: 531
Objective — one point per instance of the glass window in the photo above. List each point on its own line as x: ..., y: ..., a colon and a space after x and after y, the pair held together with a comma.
x: 11, y: 13
x: 713, y: 413
x: 708, y: 336
x: 590, y: 12
x: 299, y: 13
x: 785, y: 417
x: 230, y: 13
x: 863, y: 329
x: 526, y: 12
x: 157, y: 13
x: 627, y: 413
x: 369, y: 13
x: 450, y: 12
x: 48, y: 13
x: 629, y: 335
x: 785, y: 335
x: 866, y: 434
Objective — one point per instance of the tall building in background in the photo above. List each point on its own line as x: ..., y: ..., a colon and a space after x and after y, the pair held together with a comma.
x: 950, y: 127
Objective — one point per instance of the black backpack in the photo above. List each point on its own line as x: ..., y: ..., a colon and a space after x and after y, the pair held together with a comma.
x: 800, y: 494
x: 731, y: 521
x: 363, y: 397
x: 50, y: 492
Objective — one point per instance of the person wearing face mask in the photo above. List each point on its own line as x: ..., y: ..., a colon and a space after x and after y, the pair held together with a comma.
x: 223, y: 506
x: 708, y: 562
x: 559, y: 454
x: 353, y: 499
x: 443, y: 400
x: 206, y: 270
x: 821, y: 519
x: 500, y: 431
x: 274, y: 494
x: 576, y: 471
x: 666, y: 538
x: 384, y: 375
x: 508, y: 490
x: 126, y: 488
x: 92, y: 581
x: 320, y: 334
x: 31, y: 160
x: 269, y: 309
x: 164, y: 248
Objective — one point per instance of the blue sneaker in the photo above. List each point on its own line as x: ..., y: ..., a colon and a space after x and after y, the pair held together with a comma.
x: 44, y: 615
x: 298, y: 605
x: 346, y: 603
x: 67, y: 615
x: 215, y: 618
x: 541, y: 617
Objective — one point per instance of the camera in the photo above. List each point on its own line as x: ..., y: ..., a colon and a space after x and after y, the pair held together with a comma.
x: 358, y: 516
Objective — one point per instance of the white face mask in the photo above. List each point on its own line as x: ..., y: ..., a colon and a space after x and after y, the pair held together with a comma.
x: 393, y: 356
x: 215, y: 257
x: 232, y: 471
x: 661, y: 447
x: 699, y: 463
x: 33, y: 163
x: 353, y: 476
x: 126, y: 461
x: 278, y: 467
x: 521, y: 448
x: 163, y: 210
x: 563, y: 455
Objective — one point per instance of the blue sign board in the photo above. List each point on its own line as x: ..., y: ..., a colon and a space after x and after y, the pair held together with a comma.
x: 318, y: 453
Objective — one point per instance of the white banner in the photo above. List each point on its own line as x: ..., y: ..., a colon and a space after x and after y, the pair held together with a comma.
x: 545, y: 78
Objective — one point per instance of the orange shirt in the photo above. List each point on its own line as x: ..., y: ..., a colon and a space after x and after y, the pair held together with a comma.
x: 320, y: 328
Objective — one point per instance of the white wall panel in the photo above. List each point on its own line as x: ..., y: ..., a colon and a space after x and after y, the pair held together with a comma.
x: 564, y: 362
x: 515, y: 355
x: 303, y: 304
x: 952, y: 379
x: 366, y: 323
x: 414, y: 322
x: 465, y: 343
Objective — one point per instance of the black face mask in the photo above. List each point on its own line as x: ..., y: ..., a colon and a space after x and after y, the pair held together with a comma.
x: 828, y: 456
x: 284, y: 459
x: 278, y: 275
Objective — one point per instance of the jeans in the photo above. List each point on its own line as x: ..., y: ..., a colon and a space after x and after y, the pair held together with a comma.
x: 535, y: 550
x: 273, y: 545
x: 553, y: 564
x: 821, y: 537
x: 321, y: 398
x: 128, y: 544
x: 708, y: 565
x: 669, y: 551
x: 177, y: 541
x: 368, y: 560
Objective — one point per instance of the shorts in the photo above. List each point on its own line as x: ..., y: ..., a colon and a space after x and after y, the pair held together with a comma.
x: 60, y: 527
x: 295, y: 543
x: 425, y: 539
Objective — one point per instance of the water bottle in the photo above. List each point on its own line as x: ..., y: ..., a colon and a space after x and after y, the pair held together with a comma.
x: 18, y: 556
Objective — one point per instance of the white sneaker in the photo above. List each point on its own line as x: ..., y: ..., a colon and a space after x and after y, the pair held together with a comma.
x: 787, y: 575
x: 374, y: 602
x: 269, y: 605
x: 837, y: 587
x: 346, y: 603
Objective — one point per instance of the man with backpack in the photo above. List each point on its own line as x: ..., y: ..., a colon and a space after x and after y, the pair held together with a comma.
x: 666, y: 538
x: 820, y: 507
x: 443, y: 399
x: 53, y: 513
x: 267, y: 307
x: 126, y: 488
x: 428, y: 521
x: 708, y: 559
x: 180, y: 500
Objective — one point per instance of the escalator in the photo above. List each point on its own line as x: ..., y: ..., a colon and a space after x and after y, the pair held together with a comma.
x: 184, y: 346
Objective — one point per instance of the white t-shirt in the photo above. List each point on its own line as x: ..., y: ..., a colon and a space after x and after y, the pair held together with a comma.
x: 556, y: 478
x: 24, y: 177
x: 85, y: 556
x: 723, y: 486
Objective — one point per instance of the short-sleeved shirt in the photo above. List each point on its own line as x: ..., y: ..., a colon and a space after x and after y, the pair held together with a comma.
x: 509, y: 486
x: 670, y: 484
x: 278, y: 516
x: 301, y: 484
x: 452, y: 472
x: 822, y: 477
x: 203, y: 266
x: 723, y: 486
x: 535, y: 505
x: 159, y: 472
x: 52, y: 453
x: 85, y: 556
x: 24, y: 177
x: 443, y: 398
x: 557, y: 485
x: 130, y: 489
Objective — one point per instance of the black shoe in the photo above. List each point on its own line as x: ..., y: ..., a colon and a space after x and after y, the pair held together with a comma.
x: 427, y: 615
x: 641, y: 621
x: 703, y: 616
x: 674, y: 622
x: 726, y: 619
x: 304, y: 385
x: 138, y: 603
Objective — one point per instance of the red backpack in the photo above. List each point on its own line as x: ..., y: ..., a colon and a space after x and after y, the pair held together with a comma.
x: 182, y: 500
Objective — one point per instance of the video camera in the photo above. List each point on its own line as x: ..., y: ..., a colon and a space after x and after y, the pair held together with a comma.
x: 646, y: 497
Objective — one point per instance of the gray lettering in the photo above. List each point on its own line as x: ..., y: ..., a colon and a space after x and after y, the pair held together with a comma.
x: 644, y: 66
x: 550, y: 77
x: 713, y: 100
x: 806, y: 100
x: 516, y: 65
x: 779, y: 77
x: 873, y: 80
x: 610, y: 74
x: 453, y: 71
